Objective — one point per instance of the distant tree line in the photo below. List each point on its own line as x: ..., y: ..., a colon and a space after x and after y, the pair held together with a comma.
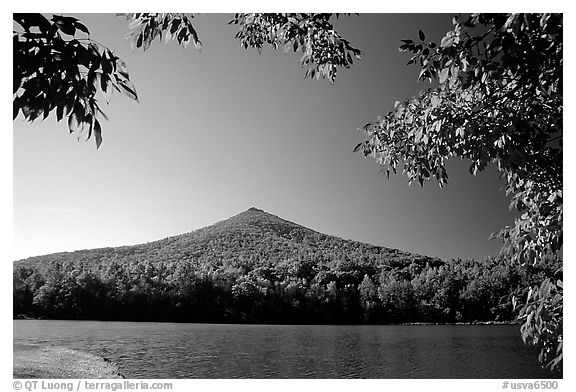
x: 296, y: 290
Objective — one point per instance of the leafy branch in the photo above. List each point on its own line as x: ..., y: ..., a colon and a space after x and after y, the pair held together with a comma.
x: 56, y: 72
x: 503, y: 106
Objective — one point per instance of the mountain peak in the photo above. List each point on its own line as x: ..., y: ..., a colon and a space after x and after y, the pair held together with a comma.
x: 255, y: 212
x: 254, y: 209
x: 258, y: 218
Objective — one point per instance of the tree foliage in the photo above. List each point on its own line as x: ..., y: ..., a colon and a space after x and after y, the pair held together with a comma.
x: 146, y: 27
x: 498, y: 100
x: 54, y: 70
x: 323, y: 49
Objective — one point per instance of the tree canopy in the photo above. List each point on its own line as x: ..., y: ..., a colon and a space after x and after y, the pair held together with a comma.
x: 57, y: 66
x: 54, y: 70
x: 496, y: 98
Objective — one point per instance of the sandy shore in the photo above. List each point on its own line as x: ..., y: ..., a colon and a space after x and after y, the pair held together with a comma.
x: 60, y: 362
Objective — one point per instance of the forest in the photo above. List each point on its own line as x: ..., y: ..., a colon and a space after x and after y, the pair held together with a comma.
x: 258, y: 268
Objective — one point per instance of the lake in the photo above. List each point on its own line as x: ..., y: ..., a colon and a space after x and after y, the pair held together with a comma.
x: 168, y: 350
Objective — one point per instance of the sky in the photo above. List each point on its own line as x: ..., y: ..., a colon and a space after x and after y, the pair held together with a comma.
x: 223, y: 129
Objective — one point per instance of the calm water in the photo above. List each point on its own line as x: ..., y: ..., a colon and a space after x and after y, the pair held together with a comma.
x: 164, y: 350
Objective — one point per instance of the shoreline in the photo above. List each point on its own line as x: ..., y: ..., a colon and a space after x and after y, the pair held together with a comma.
x: 31, y: 361
x: 509, y: 322
x: 512, y: 322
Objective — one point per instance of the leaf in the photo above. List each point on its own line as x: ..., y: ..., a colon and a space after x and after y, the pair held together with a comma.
x: 175, y: 25
x: 97, y: 134
x: 89, y: 119
x: 443, y: 75
x: 454, y: 75
x: 181, y: 35
x: 421, y: 35
x: 15, y: 107
x: 122, y: 69
x: 423, y: 74
x: 104, y: 78
x: 65, y: 24
x: 82, y: 28
x: 73, y: 122
x: 102, y: 113
x: 447, y: 42
x: 60, y: 112
x: 128, y: 89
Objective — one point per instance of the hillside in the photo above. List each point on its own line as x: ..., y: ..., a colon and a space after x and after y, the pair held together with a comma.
x: 257, y: 267
x: 251, y: 238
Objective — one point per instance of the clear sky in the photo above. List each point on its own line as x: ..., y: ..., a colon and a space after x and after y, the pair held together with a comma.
x: 224, y: 129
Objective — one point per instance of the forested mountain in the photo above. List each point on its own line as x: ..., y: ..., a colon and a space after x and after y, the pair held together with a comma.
x: 257, y: 267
